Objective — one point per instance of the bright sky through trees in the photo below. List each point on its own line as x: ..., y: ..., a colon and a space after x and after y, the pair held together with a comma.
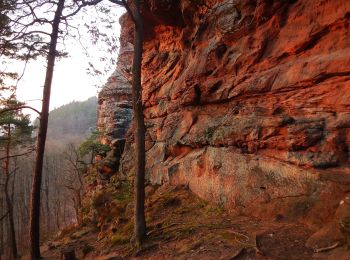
x: 71, y: 81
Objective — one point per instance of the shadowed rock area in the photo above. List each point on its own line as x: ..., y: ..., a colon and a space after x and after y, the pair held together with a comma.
x: 114, y: 100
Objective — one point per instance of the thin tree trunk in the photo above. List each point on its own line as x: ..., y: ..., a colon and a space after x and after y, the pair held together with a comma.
x: 11, y: 221
x: 79, y: 193
x: 65, y: 213
x: 47, y: 203
x: 1, y: 224
x: 25, y: 211
x: 77, y: 205
x: 9, y: 205
x: 58, y: 206
x: 37, y: 178
x: 140, y: 223
x: 92, y: 157
x: 47, y: 184
x: 14, y: 175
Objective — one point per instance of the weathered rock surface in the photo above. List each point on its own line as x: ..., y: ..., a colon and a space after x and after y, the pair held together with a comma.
x: 114, y: 100
x: 248, y: 102
x: 115, y: 107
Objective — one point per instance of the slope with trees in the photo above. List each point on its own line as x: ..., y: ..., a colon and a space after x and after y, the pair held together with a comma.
x: 15, y: 143
x: 63, y: 169
x: 72, y: 121
x: 38, y: 26
x: 30, y: 20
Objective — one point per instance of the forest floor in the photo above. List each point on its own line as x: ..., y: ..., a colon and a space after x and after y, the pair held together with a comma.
x: 182, y: 226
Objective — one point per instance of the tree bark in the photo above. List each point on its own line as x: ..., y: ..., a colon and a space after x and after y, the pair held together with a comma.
x: 37, y: 177
x: 1, y: 224
x: 140, y: 223
x: 9, y: 205
x: 58, y: 206
x: 47, y: 186
x: 134, y: 10
x: 77, y: 205
x: 11, y: 220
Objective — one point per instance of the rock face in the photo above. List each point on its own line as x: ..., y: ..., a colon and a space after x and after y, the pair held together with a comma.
x: 114, y: 101
x: 115, y: 106
x: 248, y: 103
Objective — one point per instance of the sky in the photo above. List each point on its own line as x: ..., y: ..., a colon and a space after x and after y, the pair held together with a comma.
x: 71, y: 82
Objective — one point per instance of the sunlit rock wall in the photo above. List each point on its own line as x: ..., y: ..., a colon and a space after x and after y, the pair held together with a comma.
x: 248, y: 103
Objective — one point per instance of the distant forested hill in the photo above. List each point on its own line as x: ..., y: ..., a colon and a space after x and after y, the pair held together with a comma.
x: 72, y: 121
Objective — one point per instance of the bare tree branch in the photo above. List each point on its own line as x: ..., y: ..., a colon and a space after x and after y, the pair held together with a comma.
x: 18, y: 108
x: 127, y: 7
x: 84, y: 3
x: 25, y: 65
x: 17, y: 155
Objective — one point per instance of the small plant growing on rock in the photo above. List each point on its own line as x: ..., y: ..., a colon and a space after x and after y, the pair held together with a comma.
x: 93, y: 147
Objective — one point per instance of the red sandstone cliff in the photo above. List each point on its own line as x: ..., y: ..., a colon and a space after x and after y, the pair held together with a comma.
x: 248, y: 102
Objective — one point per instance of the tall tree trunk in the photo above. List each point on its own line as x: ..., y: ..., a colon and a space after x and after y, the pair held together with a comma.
x: 77, y: 205
x: 140, y: 223
x: 14, y: 176
x: 57, y: 213
x: 46, y: 189
x: 47, y: 185
x: 64, y: 214
x: 11, y: 220
x: 37, y: 177
x: 2, y: 211
x: 12, y: 233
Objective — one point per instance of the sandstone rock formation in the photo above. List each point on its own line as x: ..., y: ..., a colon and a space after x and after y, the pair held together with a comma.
x: 115, y: 106
x: 114, y: 100
x: 248, y: 103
